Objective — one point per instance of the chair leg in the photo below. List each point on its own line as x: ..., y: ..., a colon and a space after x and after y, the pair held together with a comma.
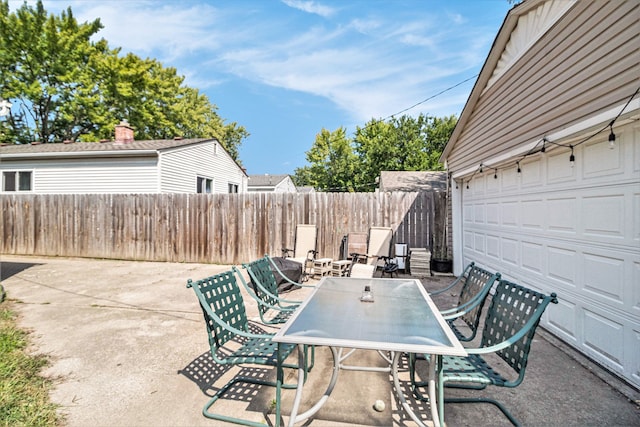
x: 279, y: 384
x: 484, y: 400
x: 414, y: 383
x: 225, y: 388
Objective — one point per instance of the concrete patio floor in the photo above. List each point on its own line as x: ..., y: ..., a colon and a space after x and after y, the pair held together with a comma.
x: 128, y: 347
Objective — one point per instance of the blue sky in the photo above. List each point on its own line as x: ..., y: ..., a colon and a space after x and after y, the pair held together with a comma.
x: 285, y: 69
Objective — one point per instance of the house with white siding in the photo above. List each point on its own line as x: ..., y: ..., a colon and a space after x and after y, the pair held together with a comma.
x: 545, y: 170
x: 271, y: 184
x: 121, y: 166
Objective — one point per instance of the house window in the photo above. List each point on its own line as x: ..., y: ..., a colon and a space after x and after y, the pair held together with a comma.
x: 16, y: 181
x: 233, y: 188
x: 204, y: 185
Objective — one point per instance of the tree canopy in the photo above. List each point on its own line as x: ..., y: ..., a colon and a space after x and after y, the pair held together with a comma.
x: 337, y: 163
x: 64, y: 86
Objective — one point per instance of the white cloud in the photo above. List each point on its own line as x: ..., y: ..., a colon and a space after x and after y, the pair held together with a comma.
x: 310, y: 7
x: 369, y: 66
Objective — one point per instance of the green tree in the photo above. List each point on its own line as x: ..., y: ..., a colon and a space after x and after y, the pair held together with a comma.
x: 65, y: 86
x: 332, y: 163
x: 400, y: 144
x: 43, y: 67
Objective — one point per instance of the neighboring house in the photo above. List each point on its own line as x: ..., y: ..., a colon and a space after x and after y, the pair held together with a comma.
x: 271, y: 184
x: 413, y: 181
x: 305, y: 189
x: 121, y: 166
x: 565, y: 219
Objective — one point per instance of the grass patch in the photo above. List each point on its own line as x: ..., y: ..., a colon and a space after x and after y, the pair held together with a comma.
x: 24, y: 393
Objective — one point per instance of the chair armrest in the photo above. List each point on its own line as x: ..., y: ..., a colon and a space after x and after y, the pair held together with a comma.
x: 460, y: 278
x: 518, y: 335
x: 446, y: 288
x: 279, y: 300
x: 205, y: 306
x: 462, y: 309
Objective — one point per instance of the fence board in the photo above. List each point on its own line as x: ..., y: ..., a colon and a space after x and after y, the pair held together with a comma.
x: 213, y: 228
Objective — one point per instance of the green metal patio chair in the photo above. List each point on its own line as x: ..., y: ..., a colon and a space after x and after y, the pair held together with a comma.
x: 225, y: 316
x: 264, y: 290
x: 511, y: 322
x: 476, y: 284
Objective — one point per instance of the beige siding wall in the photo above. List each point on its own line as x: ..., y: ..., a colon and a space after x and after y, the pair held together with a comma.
x: 586, y: 63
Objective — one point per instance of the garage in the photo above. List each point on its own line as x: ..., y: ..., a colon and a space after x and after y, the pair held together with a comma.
x: 545, y: 171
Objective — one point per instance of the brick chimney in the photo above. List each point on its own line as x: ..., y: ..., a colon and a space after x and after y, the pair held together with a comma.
x: 124, y: 133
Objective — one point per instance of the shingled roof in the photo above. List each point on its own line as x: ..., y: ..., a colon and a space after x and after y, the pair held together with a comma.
x: 413, y: 181
x: 92, y: 148
x: 266, y: 180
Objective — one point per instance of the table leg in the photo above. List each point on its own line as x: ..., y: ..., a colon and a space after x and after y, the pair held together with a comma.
x: 435, y: 367
x: 295, y: 418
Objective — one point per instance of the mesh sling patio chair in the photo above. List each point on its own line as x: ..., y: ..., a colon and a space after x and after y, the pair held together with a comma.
x: 226, y: 320
x: 476, y: 285
x: 264, y: 290
x: 304, y: 248
x: 509, y: 327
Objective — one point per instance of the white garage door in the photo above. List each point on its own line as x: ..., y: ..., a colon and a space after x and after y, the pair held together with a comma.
x: 570, y: 230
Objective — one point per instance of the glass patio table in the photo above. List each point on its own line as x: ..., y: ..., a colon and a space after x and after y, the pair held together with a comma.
x: 401, y: 318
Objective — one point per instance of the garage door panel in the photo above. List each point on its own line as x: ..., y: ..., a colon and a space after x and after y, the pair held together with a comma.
x: 478, y: 213
x: 468, y: 213
x: 509, y: 214
x: 636, y: 149
x: 532, y: 257
x: 562, y: 265
x: 562, y: 214
x: 493, y: 213
x: 635, y: 218
x: 509, y: 251
x: 468, y: 240
x: 559, y: 169
x: 634, y: 363
x: 635, y: 290
x: 531, y: 174
x: 562, y: 320
x: 604, y: 277
x: 478, y: 243
x: 510, y: 179
x: 600, y: 160
x: 493, y: 247
x: 603, y: 216
x: 604, y: 337
x: 532, y: 214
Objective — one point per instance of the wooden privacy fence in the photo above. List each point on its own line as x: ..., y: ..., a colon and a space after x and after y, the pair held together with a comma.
x: 207, y: 228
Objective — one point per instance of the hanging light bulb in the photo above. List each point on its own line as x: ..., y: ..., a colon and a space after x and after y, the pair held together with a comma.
x: 544, y: 145
x: 519, y: 170
x: 612, y: 137
x: 467, y: 185
x: 480, y: 167
x: 572, y: 158
x: 495, y: 174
